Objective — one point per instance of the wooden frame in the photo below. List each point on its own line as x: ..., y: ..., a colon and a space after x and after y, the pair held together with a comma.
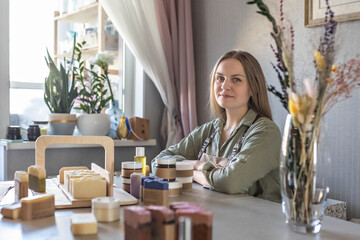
x: 345, y: 10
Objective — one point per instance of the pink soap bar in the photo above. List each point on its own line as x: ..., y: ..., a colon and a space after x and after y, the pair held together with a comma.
x: 185, y: 205
x: 198, y: 216
x: 161, y: 214
x: 135, y: 182
x: 136, y: 216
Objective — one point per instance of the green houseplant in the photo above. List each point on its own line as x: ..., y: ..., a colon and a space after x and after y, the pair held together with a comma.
x: 93, y: 95
x: 60, y: 92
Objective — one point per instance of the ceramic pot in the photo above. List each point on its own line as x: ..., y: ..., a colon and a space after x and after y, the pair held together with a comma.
x: 62, y: 123
x: 93, y: 124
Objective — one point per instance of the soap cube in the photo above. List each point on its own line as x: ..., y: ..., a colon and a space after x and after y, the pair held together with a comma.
x: 12, y: 211
x: 83, y: 224
x: 137, y: 223
x: 37, y: 178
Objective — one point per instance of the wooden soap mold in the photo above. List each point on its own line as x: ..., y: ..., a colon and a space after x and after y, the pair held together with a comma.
x: 63, y: 199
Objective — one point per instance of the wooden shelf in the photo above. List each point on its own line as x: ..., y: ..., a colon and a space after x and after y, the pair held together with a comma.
x: 117, y: 143
x: 83, y: 15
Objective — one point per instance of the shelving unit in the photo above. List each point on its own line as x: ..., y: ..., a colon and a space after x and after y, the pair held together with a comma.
x: 89, y: 14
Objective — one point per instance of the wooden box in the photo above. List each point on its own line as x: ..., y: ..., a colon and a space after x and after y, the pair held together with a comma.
x: 141, y: 127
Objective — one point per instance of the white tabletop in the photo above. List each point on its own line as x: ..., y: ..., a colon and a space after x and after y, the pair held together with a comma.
x: 235, y: 217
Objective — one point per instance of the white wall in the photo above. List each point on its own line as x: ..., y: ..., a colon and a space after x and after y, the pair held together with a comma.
x: 220, y: 26
x: 4, y: 67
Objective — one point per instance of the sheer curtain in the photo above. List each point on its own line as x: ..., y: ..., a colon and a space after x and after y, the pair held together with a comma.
x: 137, y: 23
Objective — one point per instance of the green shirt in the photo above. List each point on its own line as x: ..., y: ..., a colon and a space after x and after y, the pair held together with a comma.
x: 253, y: 170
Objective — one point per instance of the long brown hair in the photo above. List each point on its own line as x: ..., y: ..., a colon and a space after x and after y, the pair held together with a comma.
x: 259, y: 101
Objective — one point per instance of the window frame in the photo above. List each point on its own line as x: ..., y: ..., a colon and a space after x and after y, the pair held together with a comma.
x: 4, y: 68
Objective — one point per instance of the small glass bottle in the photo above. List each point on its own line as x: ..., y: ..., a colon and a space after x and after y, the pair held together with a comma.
x: 140, y: 157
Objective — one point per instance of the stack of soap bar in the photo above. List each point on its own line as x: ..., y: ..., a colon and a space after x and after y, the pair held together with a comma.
x: 62, y: 170
x: 12, y: 211
x: 163, y: 223
x: 70, y: 174
x: 127, y: 168
x: 37, y: 206
x: 135, y: 182
x: 87, y: 187
x: 137, y: 223
x: 21, y: 179
x: 156, y: 192
x: 37, y: 178
x: 184, y: 174
x: 83, y: 224
x: 106, y: 209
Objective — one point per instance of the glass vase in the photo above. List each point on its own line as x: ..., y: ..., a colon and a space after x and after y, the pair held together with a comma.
x: 303, y: 167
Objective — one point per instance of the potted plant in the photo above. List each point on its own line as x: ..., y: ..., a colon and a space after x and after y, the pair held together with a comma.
x: 94, y: 95
x: 60, y: 92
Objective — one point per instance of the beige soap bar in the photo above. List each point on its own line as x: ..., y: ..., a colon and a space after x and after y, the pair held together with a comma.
x: 21, y: 185
x: 37, y: 178
x: 37, y: 206
x: 62, y: 170
x: 12, y: 211
x: 83, y: 224
x: 76, y: 174
x: 88, y: 187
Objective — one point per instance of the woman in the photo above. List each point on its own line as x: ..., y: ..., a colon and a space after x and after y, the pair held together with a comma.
x: 239, y: 151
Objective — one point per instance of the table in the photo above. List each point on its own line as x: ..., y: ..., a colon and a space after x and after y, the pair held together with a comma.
x: 235, y: 217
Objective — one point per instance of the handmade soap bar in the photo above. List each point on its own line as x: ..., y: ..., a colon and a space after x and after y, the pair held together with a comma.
x: 12, y: 211
x: 37, y: 178
x: 201, y: 220
x: 184, y: 174
x: 175, y: 189
x: 166, y: 169
x: 106, y: 209
x: 162, y: 223
x: 21, y: 179
x: 88, y: 187
x: 137, y: 223
x: 37, y: 206
x: 69, y: 174
x: 186, y: 182
x: 135, y: 182
x: 62, y: 170
x: 156, y: 192
x: 83, y: 224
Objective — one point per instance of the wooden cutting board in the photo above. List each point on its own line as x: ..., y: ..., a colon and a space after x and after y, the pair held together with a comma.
x: 63, y: 199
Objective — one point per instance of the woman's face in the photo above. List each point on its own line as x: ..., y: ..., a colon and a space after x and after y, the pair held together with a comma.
x: 231, y: 87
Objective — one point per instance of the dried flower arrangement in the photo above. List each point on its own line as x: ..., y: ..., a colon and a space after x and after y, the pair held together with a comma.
x: 331, y: 85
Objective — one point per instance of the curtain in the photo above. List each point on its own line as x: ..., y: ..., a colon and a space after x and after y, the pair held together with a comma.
x: 137, y: 23
x: 175, y: 26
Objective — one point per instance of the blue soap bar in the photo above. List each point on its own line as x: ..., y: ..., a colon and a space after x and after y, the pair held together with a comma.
x: 156, y: 184
x: 150, y: 178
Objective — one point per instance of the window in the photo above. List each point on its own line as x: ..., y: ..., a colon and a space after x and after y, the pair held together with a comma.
x: 31, y: 33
